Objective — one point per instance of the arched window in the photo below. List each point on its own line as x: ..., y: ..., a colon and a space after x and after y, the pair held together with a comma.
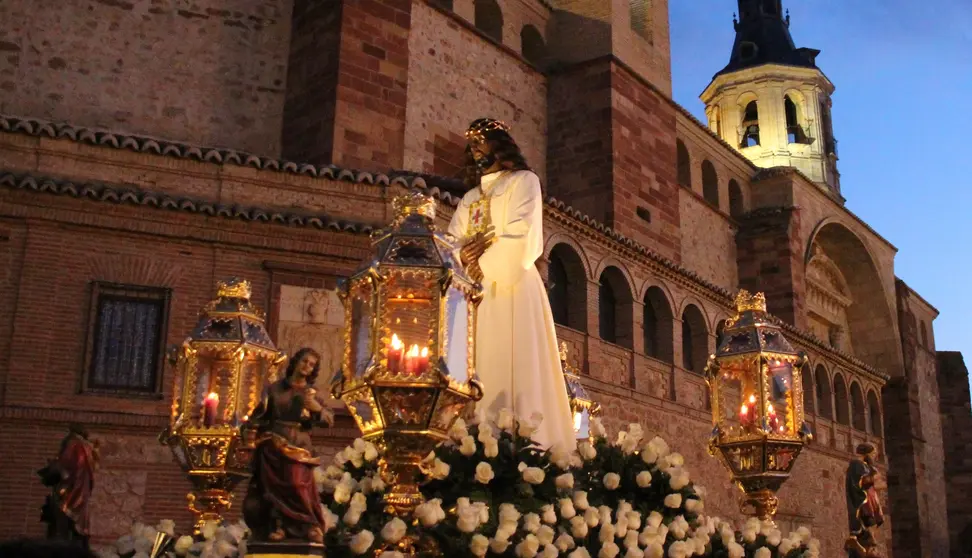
x: 684, y: 171
x: 808, y: 392
x: 840, y: 400
x: 858, y: 412
x: 614, y: 308
x: 567, y: 288
x: 825, y: 399
x: 532, y: 46
x: 736, y: 204
x: 924, y: 335
x: 695, y: 339
x: 874, y: 414
x: 750, y: 125
x: 489, y: 19
x: 639, y: 11
x: 710, y: 183
x: 658, y: 325
x: 830, y: 144
x: 794, y: 131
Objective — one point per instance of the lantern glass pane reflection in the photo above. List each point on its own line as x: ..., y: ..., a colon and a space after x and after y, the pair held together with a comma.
x: 361, y: 320
x: 781, y: 397
x: 456, y: 337
x: 409, y: 318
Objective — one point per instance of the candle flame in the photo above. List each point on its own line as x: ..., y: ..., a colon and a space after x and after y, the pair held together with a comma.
x: 213, y: 396
x: 413, y: 351
x: 578, y: 417
x: 396, y: 343
x: 425, y: 352
x: 770, y: 409
x: 752, y: 398
x: 744, y: 410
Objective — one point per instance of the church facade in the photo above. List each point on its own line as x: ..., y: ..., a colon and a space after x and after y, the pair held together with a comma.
x: 149, y: 149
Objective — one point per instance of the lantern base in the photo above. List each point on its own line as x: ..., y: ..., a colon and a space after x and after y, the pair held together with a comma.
x: 284, y: 550
x: 208, y: 505
x: 761, y: 504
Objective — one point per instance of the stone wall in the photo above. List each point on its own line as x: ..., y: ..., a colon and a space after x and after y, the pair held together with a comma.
x: 209, y: 72
x: 953, y: 376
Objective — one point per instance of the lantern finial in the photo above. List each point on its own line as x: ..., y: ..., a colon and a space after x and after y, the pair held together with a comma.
x: 414, y: 202
x: 746, y: 301
x: 234, y: 288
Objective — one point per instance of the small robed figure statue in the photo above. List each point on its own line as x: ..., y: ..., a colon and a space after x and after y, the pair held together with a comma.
x: 282, y: 502
x: 863, y: 503
x: 67, y: 510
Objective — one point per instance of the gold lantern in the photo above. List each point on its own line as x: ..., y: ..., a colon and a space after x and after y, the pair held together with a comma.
x: 757, y: 404
x: 408, y: 369
x: 583, y: 407
x: 220, y: 372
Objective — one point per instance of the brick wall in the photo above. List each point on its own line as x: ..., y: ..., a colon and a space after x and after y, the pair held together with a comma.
x: 770, y: 261
x: 209, y: 72
x: 953, y: 381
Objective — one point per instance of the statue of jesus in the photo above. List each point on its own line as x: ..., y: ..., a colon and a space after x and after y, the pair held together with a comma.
x: 499, y: 227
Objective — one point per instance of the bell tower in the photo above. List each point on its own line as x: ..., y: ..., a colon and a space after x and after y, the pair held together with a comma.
x: 771, y: 101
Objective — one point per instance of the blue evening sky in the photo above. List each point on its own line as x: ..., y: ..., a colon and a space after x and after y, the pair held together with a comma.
x: 903, y: 73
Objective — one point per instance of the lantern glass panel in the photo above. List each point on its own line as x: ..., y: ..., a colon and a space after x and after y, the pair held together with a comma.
x: 254, y: 377
x: 582, y: 423
x: 456, y: 335
x: 362, y: 327
x: 410, y: 317
x: 739, y: 398
x: 780, y: 406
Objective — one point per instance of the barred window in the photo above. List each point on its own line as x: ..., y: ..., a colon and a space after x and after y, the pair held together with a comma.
x: 126, y: 338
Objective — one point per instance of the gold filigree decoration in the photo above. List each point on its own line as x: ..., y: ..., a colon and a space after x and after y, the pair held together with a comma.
x: 744, y: 301
x: 234, y: 288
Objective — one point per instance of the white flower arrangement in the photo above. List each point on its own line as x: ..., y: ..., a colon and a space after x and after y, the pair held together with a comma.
x: 491, y: 491
x: 216, y: 541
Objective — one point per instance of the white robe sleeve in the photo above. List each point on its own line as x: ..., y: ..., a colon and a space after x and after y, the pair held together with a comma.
x: 517, y: 249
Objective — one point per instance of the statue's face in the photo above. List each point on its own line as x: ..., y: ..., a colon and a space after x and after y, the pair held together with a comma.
x: 305, y: 367
x: 480, y: 149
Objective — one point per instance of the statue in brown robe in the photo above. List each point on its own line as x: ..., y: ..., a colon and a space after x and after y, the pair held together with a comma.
x: 282, y: 501
x: 67, y: 510
x: 864, y: 511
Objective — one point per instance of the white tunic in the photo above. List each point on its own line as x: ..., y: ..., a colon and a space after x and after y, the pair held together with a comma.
x: 517, y: 358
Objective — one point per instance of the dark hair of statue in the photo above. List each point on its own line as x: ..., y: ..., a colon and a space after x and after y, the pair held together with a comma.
x: 298, y: 356
x: 506, y: 151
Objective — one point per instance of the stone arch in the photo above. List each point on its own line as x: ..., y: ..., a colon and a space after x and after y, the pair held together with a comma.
x: 710, y: 183
x: 559, y: 238
x: 695, y: 339
x: 841, y: 401
x: 611, y: 261
x: 658, y: 325
x: 823, y: 392
x: 872, y: 333
x: 532, y: 45
x: 874, y: 420
x: 568, y: 287
x: 806, y: 379
x: 737, y: 205
x: 683, y: 163
x: 858, y: 411
x: 614, y: 307
x: 488, y: 18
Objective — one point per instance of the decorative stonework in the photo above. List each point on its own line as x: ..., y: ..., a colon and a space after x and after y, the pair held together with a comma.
x: 312, y: 318
x: 828, y: 298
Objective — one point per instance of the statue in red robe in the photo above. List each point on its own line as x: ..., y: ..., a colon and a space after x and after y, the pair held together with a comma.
x: 67, y: 510
x: 282, y: 501
x: 864, y: 511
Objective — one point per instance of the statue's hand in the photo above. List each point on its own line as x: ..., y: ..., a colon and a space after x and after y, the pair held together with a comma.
x: 476, y: 247
x: 327, y: 416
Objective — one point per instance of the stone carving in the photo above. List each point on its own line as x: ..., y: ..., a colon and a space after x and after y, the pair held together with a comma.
x: 828, y: 298
x: 312, y: 318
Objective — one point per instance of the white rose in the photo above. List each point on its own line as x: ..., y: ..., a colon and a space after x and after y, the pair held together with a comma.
x: 655, y: 519
x: 673, y: 501
x: 527, y: 429
x: 609, y: 550
x: 634, y: 520
x: 370, y: 452
x: 394, y: 530
x: 679, y: 527
x: 565, y: 481
x: 736, y: 550
x: 605, y: 514
x: 749, y: 535
x: 505, y: 420
x: 675, y: 460
x: 361, y: 542
x: 612, y: 481
x: 679, y: 549
x: 629, y: 445
x: 391, y: 554
x: 560, y: 457
x: 222, y: 548
x: 546, y: 534
x: 775, y: 537
x: 597, y: 428
x: 209, y: 530
x: 592, y: 518
x: 606, y: 533
x: 479, y: 545
x: 533, y: 475
x: 549, y: 514
x: 691, y: 504
x: 578, y: 528
x: 491, y: 449
x: 649, y: 456
x: 167, y: 526
x: 581, y: 552
x: 484, y: 472
x: 499, y: 546
x: 458, y: 429
x: 485, y: 433
x: 679, y: 478
x: 352, y: 516
x: 564, y: 542
x: 531, y: 522
x: 528, y: 547
x: 468, y: 446
x: 654, y: 550
x: 182, y: 545
x: 469, y: 518
x: 567, y: 510
x: 440, y: 469
x: 580, y: 500
x: 330, y: 518
x: 504, y: 531
x: 359, y: 502
x: 549, y: 551
x: 804, y: 533
x: 508, y: 514
x: 644, y: 479
x: 659, y: 446
x: 631, y: 543
x: 635, y: 431
x: 342, y: 493
x: 785, y: 547
x: 763, y: 552
x: 587, y: 451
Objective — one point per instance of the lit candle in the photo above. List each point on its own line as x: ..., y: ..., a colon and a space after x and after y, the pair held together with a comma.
x: 395, y: 354
x: 423, y: 361
x: 411, y: 359
x: 209, y: 407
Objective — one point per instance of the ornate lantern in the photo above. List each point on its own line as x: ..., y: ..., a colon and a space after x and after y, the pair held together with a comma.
x: 757, y: 404
x: 583, y: 407
x: 408, y: 369
x: 220, y: 371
